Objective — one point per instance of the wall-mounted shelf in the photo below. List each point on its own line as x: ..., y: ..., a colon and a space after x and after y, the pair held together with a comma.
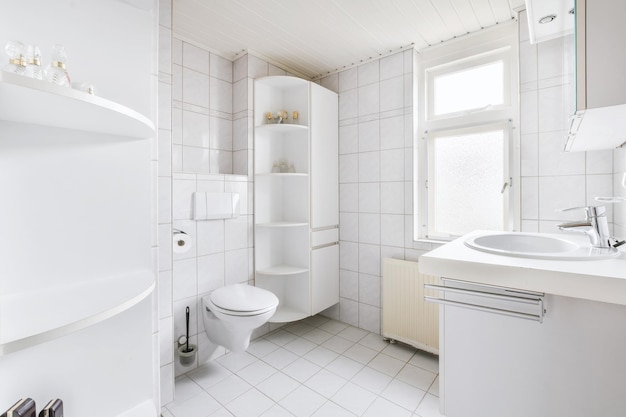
x: 282, y: 127
x: 27, y: 100
x: 283, y: 174
x: 282, y: 224
x: 282, y: 270
x: 64, y: 309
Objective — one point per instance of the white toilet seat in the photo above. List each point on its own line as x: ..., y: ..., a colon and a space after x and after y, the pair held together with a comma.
x: 242, y: 300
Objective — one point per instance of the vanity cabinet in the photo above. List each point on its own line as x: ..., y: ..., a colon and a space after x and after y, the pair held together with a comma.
x: 600, y: 118
x: 297, y: 207
x: 493, y: 365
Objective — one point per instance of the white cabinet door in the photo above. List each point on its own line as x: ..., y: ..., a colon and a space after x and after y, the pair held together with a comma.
x: 325, y: 279
x: 324, y: 158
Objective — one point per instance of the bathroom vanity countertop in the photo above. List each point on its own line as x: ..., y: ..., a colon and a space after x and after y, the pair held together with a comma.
x: 598, y: 280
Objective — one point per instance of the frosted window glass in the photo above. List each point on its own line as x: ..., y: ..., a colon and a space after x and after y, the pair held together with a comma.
x: 468, y: 89
x: 468, y: 177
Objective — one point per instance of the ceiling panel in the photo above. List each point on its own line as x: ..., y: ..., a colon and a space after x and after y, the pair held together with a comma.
x: 313, y: 38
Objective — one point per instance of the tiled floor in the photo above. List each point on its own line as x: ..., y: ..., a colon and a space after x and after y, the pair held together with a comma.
x: 316, y: 367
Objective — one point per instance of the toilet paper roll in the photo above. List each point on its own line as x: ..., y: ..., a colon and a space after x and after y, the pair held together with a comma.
x: 181, y: 243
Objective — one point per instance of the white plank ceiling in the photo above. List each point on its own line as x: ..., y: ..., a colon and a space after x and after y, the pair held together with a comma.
x: 315, y: 37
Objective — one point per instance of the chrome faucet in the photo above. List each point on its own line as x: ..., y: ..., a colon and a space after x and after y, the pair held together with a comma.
x: 595, y: 226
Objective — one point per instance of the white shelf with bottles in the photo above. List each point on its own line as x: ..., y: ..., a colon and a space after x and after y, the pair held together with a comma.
x: 284, y: 203
x: 38, y: 102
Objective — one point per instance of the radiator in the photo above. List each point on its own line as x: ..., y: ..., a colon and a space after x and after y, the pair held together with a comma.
x: 406, y: 316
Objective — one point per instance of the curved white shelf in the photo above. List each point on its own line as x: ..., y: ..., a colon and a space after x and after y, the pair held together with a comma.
x: 282, y: 224
x: 282, y: 270
x: 282, y: 81
x: 282, y: 128
x: 33, y: 317
x: 27, y: 100
x: 287, y: 314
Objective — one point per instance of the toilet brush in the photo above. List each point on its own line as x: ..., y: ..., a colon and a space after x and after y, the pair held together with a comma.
x: 186, y: 352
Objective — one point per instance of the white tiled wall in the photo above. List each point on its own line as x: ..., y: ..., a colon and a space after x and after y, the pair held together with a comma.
x: 551, y: 178
x: 375, y: 180
x: 202, y: 111
x: 221, y: 254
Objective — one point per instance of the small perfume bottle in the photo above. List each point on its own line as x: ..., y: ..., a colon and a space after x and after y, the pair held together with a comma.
x: 294, y: 117
x: 292, y: 168
x: 268, y: 118
x: 275, y: 167
x: 15, y: 51
x: 33, y: 62
x: 283, y: 165
x: 56, y: 72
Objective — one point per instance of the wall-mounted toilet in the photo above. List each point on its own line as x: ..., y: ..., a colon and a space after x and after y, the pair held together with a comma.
x: 231, y: 313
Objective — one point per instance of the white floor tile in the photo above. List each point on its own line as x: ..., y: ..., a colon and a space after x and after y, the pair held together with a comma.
x: 250, y: 404
x: 281, y: 337
x: 256, y: 372
x: 386, y: 364
x: 280, y: 358
x: 399, y: 351
x: 318, y: 336
x: 209, y: 374
x: 372, y: 380
x: 229, y: 389
x: 302, y: 402
x: 299, y: 328
x: 326, y: 383
x: 200, y: 405
x: 222, y: 412
x: 354, y: 398
x: 417, y: 377
x: 403, y: 394
x: 261, y: 347
x: 278, y: 386
x: 382, y: 407
x: 321, y: 356
x: 426, y: 361
x: 360, y: 353
x: 276, y: 411
x: 331, y: 409
x: 235, y: 362
x: 337, y: 344
x: 344, y: 367
x: 301, y: 369
x: 374, y: 341
x: 353, y: 334
x: 333, y: 326
x: 434, y: 388
x: 300, y: 346
x: 429, y: 407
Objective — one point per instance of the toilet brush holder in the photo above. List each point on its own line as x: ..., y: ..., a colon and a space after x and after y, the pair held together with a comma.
x: 187, y: 355
x: 186, y: 352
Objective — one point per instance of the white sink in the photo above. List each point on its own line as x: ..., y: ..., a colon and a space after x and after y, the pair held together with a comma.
x: 537, y: 246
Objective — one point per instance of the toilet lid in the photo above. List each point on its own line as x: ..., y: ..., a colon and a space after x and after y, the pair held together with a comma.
x: 244, y: 298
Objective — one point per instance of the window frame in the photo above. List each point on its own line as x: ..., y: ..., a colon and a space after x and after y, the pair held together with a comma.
x: 506, y: 176
x: 500, y: 42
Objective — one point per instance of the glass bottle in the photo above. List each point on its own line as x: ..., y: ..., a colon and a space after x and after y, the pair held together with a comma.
x: 15, y: 51
x: 33, y: 62
x: 56, y: 72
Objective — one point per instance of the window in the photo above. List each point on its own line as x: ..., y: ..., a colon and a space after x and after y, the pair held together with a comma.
x: 466, y: 176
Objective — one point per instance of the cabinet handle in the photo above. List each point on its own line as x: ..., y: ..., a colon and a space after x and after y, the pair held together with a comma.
x: 509, y: 313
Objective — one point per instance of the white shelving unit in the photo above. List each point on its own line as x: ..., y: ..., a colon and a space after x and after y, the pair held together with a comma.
x: 286, y: 261
x: 75, y: 293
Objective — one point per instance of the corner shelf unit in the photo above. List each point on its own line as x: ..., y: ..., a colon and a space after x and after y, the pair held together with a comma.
x: 30, y: 101
x: 285, y: 201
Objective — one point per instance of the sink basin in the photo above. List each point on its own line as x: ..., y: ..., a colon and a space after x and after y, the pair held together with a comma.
x: 537, y: 246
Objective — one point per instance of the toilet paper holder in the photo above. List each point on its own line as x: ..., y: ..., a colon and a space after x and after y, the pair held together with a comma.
x: 181, y: 241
